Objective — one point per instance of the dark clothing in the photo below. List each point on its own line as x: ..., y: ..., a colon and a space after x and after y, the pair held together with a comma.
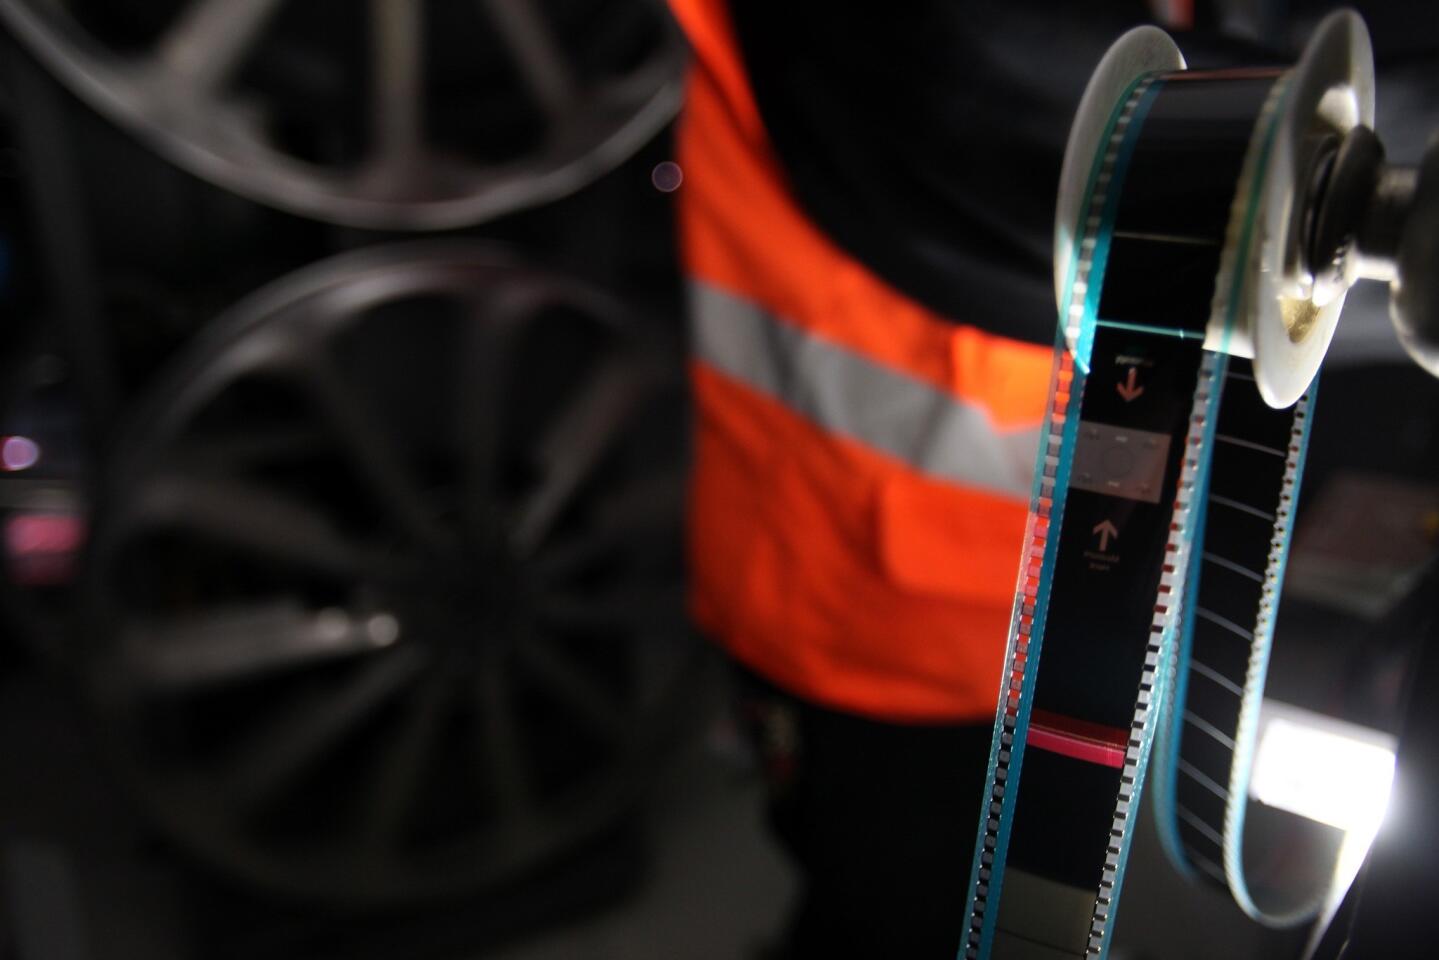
x: 926, y: 139
x: 880, y: 819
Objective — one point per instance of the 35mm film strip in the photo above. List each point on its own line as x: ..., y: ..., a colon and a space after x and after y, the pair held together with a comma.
x: 1175, y: 271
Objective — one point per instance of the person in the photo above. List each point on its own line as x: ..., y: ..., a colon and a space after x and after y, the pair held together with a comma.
x: 866, y: 226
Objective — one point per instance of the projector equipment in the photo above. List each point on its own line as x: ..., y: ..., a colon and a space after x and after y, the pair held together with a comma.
x: 1209, y: 224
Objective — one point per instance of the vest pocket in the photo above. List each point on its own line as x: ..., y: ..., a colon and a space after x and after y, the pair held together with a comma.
x: 942, y: 540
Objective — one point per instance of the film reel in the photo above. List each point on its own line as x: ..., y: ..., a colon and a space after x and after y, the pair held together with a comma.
x: 1187, y: 316
x: 378, y: 590
x: 182, y: 76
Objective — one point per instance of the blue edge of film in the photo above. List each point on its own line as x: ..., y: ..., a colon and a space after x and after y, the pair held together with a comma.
x: 1175, y: 652
x: 1169, y: 738
x: 1082, y: 347
x: 1171, y: 716
x: 1240, y: 884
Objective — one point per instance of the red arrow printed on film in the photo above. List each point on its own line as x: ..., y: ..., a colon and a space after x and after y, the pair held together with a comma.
x: 1130, y: 390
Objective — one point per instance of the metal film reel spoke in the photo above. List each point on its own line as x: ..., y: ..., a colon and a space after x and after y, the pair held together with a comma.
x: 631, y: 515
x: 398, y: 127
x: 371, y: 451
x: 268, y: 527
x: 246, y: 515
x: 404, y: 755
x: 209, y: 40
x: 287, y: 744
x: 190, y: 93
x: 192, y: 653
x: 573, y: 444
x: 535, y: 53
x: 480, y: 409
x: 501, y: 750
x: 567, y: 686
x: 325, y: 655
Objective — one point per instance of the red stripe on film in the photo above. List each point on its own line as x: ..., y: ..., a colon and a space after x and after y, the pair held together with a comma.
x: 1090, y: 742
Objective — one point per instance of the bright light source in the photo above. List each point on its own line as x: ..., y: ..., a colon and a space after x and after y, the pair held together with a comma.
x: 1321, y: 768
x: 1330, y: 771
x: 18, y: 453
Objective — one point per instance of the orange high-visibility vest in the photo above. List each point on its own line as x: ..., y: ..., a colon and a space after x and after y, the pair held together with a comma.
x: 862, y: 467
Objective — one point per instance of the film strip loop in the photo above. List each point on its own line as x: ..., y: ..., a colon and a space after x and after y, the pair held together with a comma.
x: 1208, y: 737
x: 1032, y: 595
x: 1207, y: 744
x: 1177, y: 267
x: 1120, y: 494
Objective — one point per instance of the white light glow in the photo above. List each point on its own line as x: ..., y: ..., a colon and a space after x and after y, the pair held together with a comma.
x: 1330, y: 771
x: 18, y: 453
x: 1321, y: 768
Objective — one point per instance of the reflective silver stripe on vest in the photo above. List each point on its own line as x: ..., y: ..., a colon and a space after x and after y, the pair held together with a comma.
x: 844, y: 393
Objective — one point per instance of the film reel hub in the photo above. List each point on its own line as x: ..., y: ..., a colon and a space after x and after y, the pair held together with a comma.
x: 1290, y: 314
x: 1290, y: 310
x: 1375, y: 221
